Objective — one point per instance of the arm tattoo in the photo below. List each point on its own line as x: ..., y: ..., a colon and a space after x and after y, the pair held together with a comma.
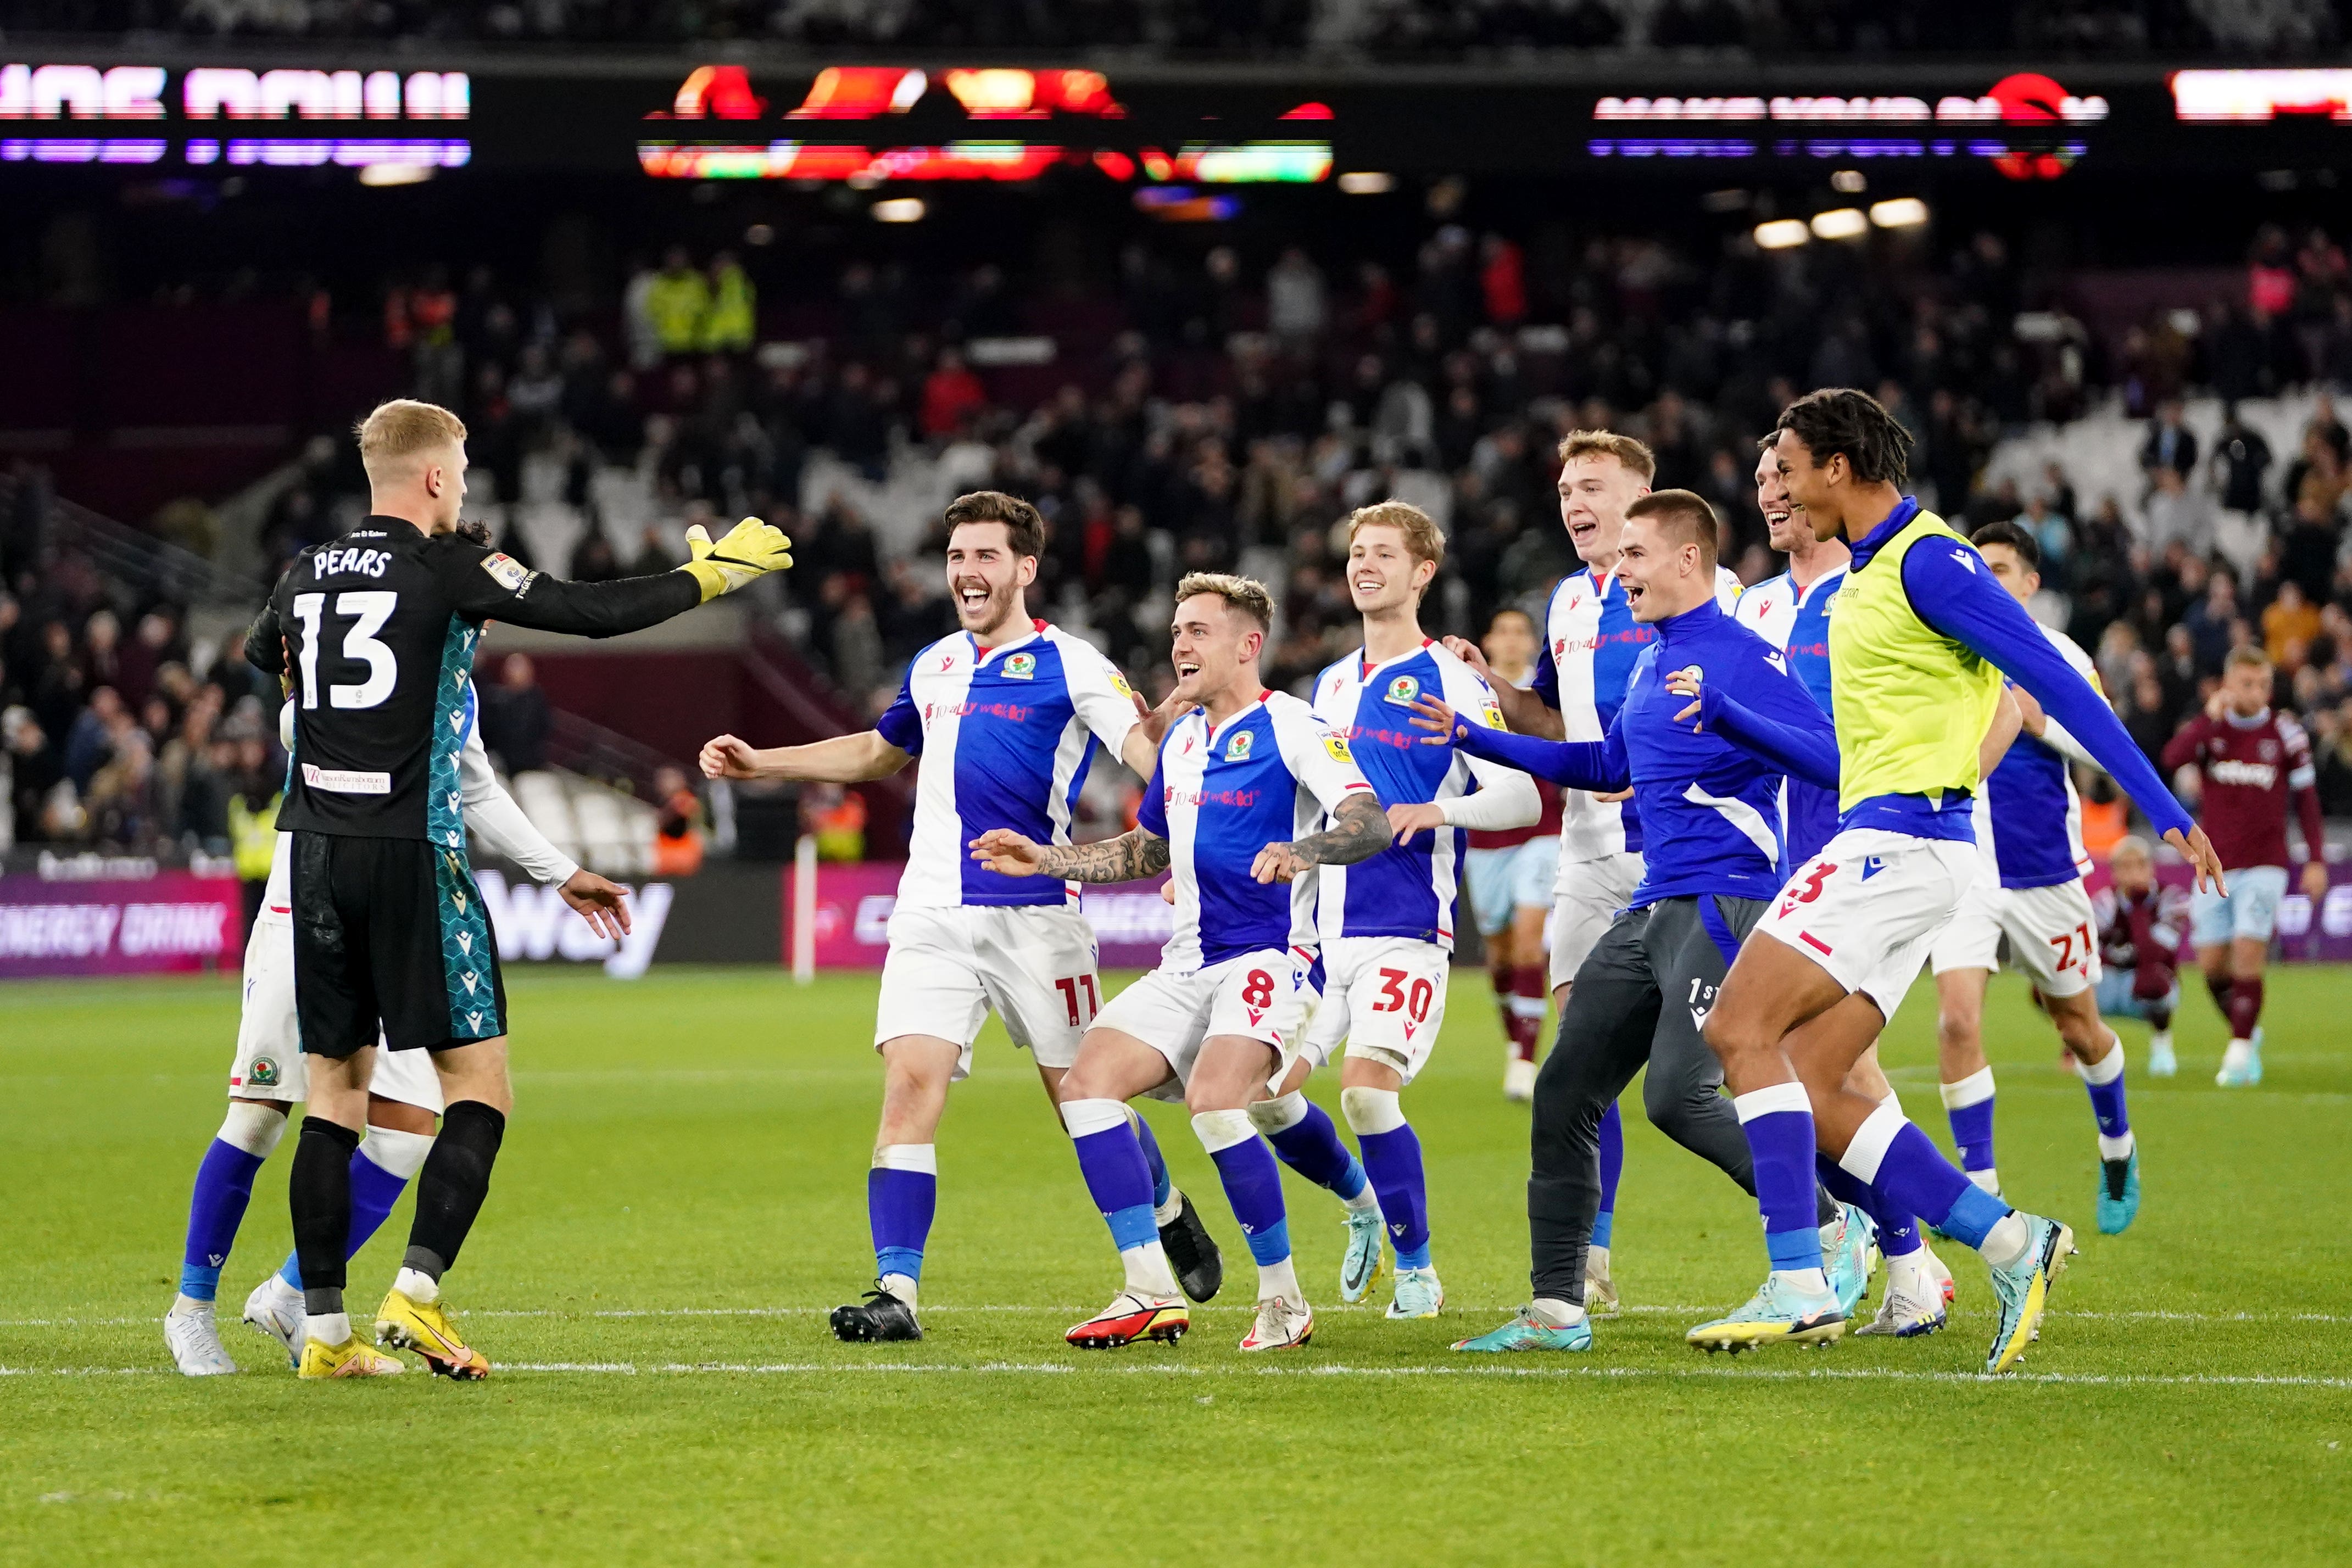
x: 1362, y: 832
x: 1132, y: 854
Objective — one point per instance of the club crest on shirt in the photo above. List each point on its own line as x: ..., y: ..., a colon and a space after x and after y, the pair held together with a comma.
x: 1237, y: 749
x: 1402, y: 690
x: 263, y: 1074
x: 1021, y: 666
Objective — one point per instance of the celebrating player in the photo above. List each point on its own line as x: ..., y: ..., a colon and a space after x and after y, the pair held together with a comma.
x: 2251, y: 758
x: 1506, y: 876
x: 390, y: 940
x: 1242, y: 777
x: 2029, y: 888
x: 266, y: 1077
x: 1008, y: 712
x: 1715, y: 857
x: 1387, y: 925
x: 1792, y: 612
x: 2141, y: 923
x: 1917, y: 648
x: 1591, y: 639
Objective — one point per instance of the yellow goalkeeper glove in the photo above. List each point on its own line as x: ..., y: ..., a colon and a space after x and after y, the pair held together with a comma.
x: 751, y: 550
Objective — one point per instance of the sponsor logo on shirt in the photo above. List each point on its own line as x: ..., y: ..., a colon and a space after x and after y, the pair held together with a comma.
x: 2253, y: 774
x: 1402, y: 690
x: 1017, y: 712
x: 345, y: 780
x: 1021, y: 667
x: 1336, y: 745
x: 1118, y: 683
x: 1494, y: 711
x: 1237, y: 749
x: 1175, y: 797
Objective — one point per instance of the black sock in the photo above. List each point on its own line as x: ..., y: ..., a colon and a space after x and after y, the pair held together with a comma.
x: 319, y: 1191
x: 451, y: 1186
x: 2221, y: 988
x: 1825, y: 1206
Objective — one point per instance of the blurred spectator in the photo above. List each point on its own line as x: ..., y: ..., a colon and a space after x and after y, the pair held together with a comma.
x: 950, y: 392
x: 732, y: 319
x: 677, y: 301
x: 677, y: 825
x: 516, y: 718
x: 2170, y: 443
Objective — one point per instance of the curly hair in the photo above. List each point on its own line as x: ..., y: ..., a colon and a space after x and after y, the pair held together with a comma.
x: 1841, y: 420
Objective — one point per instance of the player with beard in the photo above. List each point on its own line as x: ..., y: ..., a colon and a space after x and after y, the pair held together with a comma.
x: 1007, y: 713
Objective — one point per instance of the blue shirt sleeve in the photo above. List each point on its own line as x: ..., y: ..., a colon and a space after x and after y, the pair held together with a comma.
x: 1547, y: 682
x: 900, y: 725
x: 1950, y: 590
x: 1579, y: 764
x: 1151, y: 812
x: 1793, y: 735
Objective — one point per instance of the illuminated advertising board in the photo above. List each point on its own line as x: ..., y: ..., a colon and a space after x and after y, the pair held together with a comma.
x: 139, y: 114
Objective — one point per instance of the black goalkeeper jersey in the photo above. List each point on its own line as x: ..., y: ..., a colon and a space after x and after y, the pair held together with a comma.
x: 378, y: 631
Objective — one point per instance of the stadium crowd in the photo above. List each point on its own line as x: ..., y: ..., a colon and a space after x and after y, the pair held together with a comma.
x: 1210, y: 410
x: 1421, y: 28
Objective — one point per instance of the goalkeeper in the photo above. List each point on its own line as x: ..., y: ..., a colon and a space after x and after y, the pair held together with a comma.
x: 376, y: 632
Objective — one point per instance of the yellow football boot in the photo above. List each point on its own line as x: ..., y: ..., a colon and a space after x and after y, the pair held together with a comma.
x: 424, y: 1328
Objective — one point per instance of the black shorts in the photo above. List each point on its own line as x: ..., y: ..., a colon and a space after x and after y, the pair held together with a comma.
x: 391, y: 932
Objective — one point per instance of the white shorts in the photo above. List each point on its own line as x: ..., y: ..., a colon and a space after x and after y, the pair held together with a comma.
x: 1597, y: 890
x: 1501, y: 883
x: 1035, y: 964
x: 2049, y: 931
x: 1262, y: 995
x: 1383, y: 998
x: 1869, y: 904
x: 270, y: 1065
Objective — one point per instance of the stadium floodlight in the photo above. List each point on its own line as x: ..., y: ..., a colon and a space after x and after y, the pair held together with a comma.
x: 900, y: 210
x: 1365, y: 182
x: 1781, y: 234
x: 1849, y: 183
x: 1841, y: 223
x: 395, y: 173
x: 1900, y: 213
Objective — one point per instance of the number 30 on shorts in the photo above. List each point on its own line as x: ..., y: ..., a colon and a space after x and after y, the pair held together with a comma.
x: 1395, y: 998
x: 1069, y: 985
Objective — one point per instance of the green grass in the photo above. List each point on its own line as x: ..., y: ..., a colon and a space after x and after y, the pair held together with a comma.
x: 682, y: 1193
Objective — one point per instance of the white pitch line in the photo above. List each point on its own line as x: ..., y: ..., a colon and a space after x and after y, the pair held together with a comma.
x: 1059, y: 1369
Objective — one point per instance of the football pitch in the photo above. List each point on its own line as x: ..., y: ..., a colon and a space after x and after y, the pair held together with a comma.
x: 681, y: 1198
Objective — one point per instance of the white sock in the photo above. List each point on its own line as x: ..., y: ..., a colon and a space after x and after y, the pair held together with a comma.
x: 328, y: 1329
x: 1894, y: 1100
x: 1166, y: 1213
x: 1596, y: 1262
x: 2238, y: 1051
x: 2006, y: 1242
x: 2117, y: 1148
x: 1364, y: 1201
x: 1279, y: 1280
x: 1987, y: 1179
x: 188, y: 1306
x: 2108, y: 1068
x: 1555, y: 1314
x: 900, y: 1286
x: 2161, y: 1041
x: 1908, y: 1274
x: 1808, y: 1282
x: 276, y: 1286
x: 1147, y: 1269
x: 421, y: 1288
x: 396, y: 1153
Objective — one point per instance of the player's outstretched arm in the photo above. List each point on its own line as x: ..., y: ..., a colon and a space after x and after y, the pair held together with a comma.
x: 1952, y: 590
x: 1524, y: 709
x: 1134, y: 853
x: 1359, y: 830
x: 1579, y: 764
x: 840, y: 759
x: 486, y: 585
x: 1793, y: 735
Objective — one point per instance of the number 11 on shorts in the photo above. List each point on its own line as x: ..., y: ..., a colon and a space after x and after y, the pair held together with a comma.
x: 1068, y: 985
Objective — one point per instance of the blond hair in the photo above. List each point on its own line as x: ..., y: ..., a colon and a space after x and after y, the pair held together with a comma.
x: 1634, y: 456
x: 403, y: 427
x: 2130, y: 844
x: 1421, y: 533
x: 1246, y: 595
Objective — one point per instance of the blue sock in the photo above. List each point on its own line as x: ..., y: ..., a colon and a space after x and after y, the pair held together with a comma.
x: 1311, y: 1147
x: 1116, y: 1175
x: 1895, y: 1238
x: 1779, y: 1124
x: 1972, y: 1123
x: 1613, y: 1166
x: 2108, y: 1099
x: 899, y: 1203
x: 216, y: 1208
x: 374, y: 1191
x: 1914, y: 1178
x: 1162, y: 1188
x: 1393, y: 1161
x: 1254, y: 1186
